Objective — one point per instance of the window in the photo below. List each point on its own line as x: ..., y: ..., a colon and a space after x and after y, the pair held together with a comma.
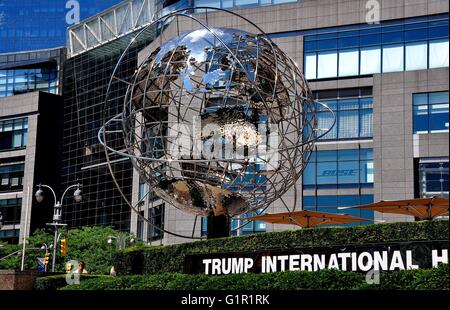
x: 11, y: 177
x: 370, y: 60
x: 19, y: 81
x: 354, y: 118
x: 393, y: 58
x: 156, y: 219
x: 13, y: 134
x: 332, y: 203
x: 439, y: 53
x: 430, y: 112
x: 348, y: 62
x: 368, y: 49
x: 310, y: 66
x: 10, y: 210
x: 433, y: 177
x: 239, y: 225
x: 140, y: 226
x: 226, y: 4
x: 327, y: 65
x: 339, y: 169
x: 416, y: 56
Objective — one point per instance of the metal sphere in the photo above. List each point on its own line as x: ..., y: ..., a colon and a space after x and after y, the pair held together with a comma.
x: 219, y: 121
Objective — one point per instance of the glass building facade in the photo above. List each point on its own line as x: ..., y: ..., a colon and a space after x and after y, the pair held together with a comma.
x: 339, y: 169
x: 391, y: 46
x: 353, y: 113
x: 13, y: 134
x: 433, y: 177
x: 430, y: 112
x: 25, y: 72
x: 86, y: 79
x: 332, y: 203
x: 10, y: 211
x: 229, y: 4
x: 32, y: 25
x: 11, y: 177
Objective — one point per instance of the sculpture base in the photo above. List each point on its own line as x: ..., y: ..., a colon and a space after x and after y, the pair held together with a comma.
x: 218, y: 226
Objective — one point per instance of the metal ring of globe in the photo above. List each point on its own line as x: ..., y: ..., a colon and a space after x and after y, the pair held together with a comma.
x: 228, y: 92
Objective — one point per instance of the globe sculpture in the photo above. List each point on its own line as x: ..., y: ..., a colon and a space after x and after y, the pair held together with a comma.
x: 218, y: 122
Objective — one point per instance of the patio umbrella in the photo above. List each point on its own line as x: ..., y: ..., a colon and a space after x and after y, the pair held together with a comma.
x: 307, y: 218
x: 423, y: 208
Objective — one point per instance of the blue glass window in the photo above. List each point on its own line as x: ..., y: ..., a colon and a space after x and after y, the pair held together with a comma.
x: 354, y: 118
x: 33, y: 25
x: 13, y: 133
x: 392, y: 46
x: 226, y: 4
x: 331, y: 204
x: 339, y: 168
x: 11, y: 177
x: 239, y: 225
x: 19, y: 81
x: 430, y: 112
x: 10, y: 210
x: 433, y: 177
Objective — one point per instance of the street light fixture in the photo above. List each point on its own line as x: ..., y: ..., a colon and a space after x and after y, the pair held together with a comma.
x: 57, y: 212
x: 39, y: 194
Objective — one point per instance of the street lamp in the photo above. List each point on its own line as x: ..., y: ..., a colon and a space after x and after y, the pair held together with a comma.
x: 57, y: 211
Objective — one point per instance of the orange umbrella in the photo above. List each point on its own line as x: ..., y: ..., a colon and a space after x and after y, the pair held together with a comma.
x: 423, y: 208
x: 307, y: 218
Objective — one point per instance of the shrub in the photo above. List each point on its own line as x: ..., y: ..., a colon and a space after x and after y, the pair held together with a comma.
x: 328, y: 279
x: 57, y: 281
x: 88, y: 244
x: 163, y: 259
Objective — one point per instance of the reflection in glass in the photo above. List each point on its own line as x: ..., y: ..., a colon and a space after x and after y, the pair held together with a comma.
x: 348, y: 62
x: 438, y: 53
x: 327, y: 65
x: 416, y: 56
x: 393, y: 58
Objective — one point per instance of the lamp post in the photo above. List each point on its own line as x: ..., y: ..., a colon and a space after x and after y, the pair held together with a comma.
x: 57, y: 211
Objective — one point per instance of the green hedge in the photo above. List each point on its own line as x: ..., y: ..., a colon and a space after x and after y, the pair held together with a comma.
x: 429, y: 279
x: 163, y: 259
x: 58, y: 281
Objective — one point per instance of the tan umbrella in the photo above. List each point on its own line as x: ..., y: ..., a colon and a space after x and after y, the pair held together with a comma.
x: 423, y: 208
x: 307, y: 218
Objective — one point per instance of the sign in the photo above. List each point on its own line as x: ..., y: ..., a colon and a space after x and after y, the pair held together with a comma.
x: 41, y: 265
x: 358, y: 258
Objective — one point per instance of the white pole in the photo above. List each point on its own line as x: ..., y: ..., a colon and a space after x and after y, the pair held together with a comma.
x: 25, y: 229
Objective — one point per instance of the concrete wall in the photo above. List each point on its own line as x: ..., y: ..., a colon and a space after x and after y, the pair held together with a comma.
x: 17, y: 280
x: 395, y: 145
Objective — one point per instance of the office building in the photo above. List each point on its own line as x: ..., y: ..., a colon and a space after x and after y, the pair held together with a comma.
x: 32, y: 25
x: 386, y: 80
x: 30, y: 137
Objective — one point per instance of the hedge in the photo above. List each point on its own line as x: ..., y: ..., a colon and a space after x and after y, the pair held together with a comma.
x: 57, y: 281
x: 163, y: 259
x: 328, y: 279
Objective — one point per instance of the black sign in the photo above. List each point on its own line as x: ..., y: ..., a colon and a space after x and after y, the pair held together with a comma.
x: 359, y: 258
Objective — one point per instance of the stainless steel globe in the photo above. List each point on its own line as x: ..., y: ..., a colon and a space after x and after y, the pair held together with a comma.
x: 219, y: 121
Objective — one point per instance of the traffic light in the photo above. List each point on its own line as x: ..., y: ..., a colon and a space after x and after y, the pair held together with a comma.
x: 46, y: 258
x: 63, y: 247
